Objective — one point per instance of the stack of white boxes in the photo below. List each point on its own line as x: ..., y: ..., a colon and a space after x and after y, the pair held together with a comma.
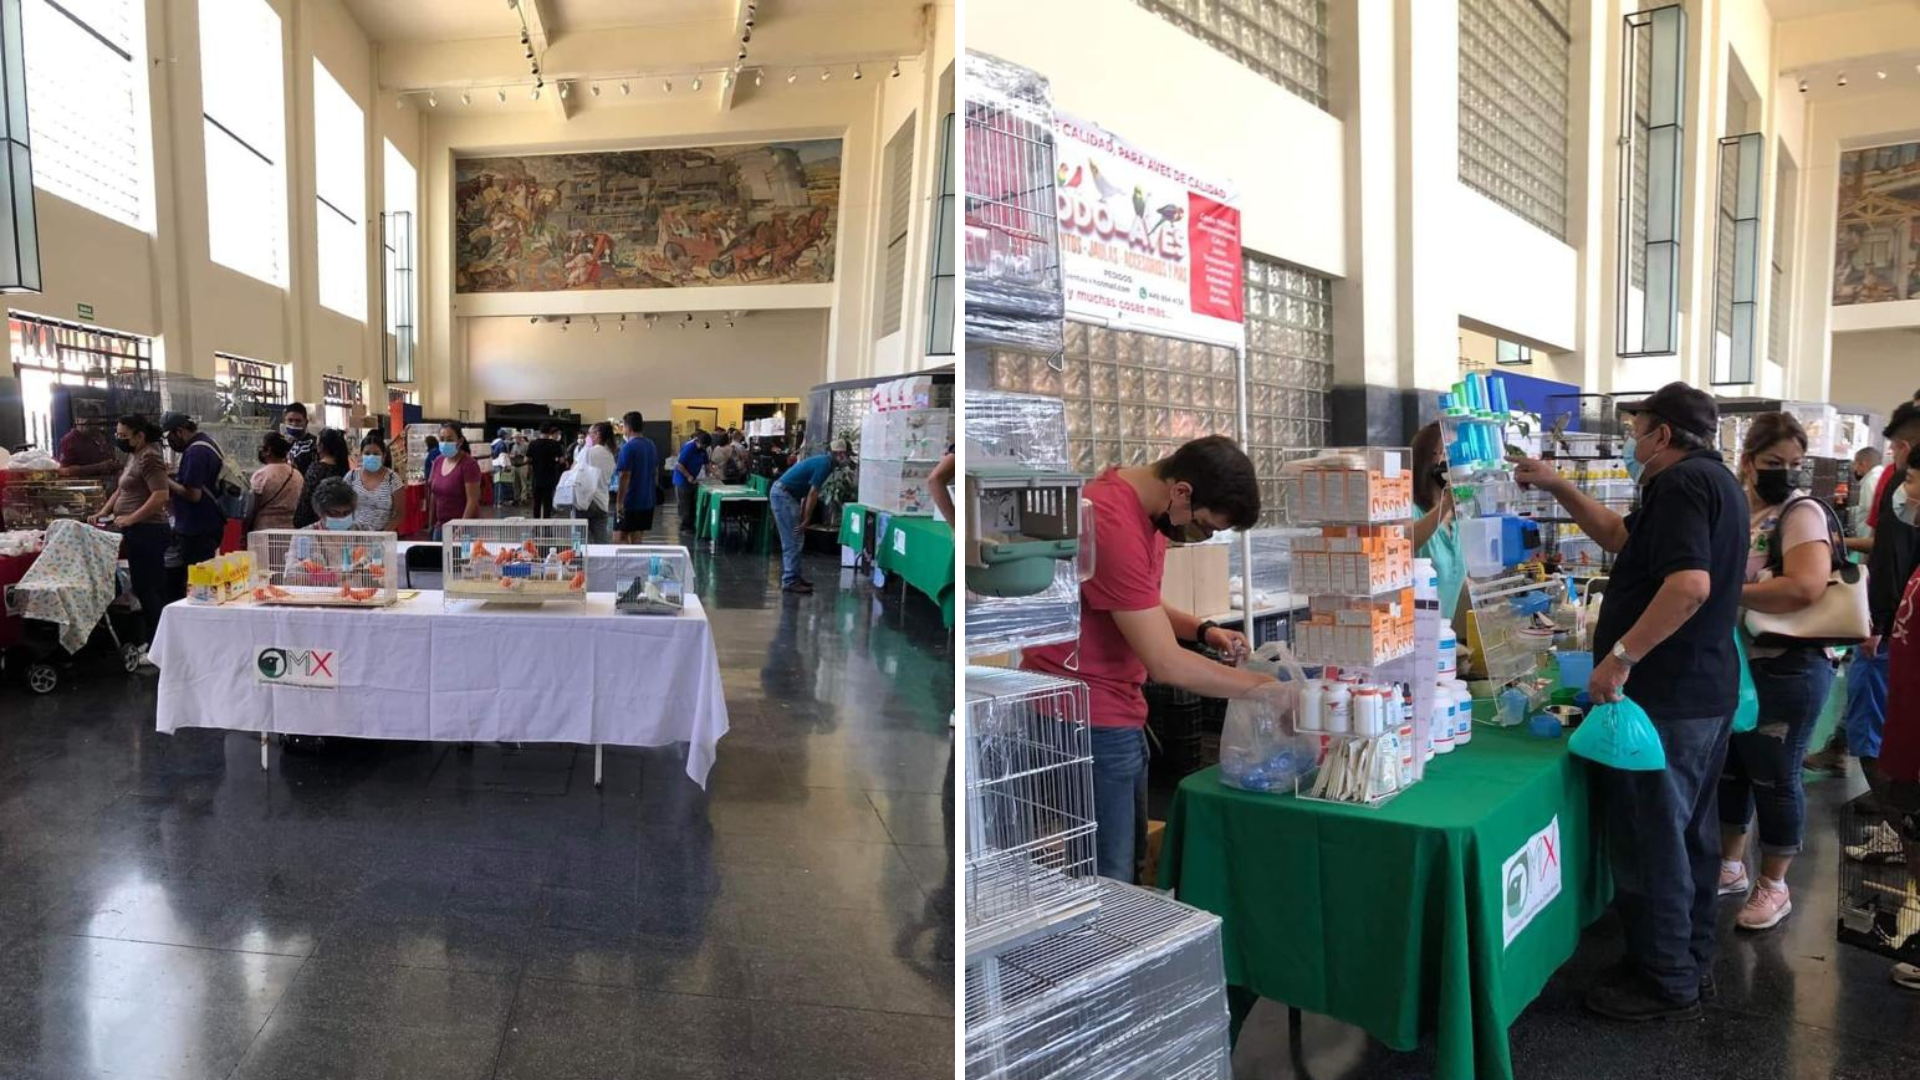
x: 901, y: 439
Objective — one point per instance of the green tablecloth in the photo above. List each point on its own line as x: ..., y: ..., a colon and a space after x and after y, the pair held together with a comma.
x: 1391, y: 919
x: 707, y: 510
x: 760, y: 484
x: 853, y: 525
x: 920, y: 550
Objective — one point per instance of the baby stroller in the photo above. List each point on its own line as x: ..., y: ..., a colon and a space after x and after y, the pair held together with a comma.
x: 68, y: 597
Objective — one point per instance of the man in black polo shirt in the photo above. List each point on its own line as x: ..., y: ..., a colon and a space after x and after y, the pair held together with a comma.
x: 1665, y: 639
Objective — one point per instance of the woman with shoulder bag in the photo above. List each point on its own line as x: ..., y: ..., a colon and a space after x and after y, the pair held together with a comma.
x: 277, y: 486
x: 1794, y: 541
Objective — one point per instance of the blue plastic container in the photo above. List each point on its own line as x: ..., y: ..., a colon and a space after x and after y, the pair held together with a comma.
x: 1576, y: 668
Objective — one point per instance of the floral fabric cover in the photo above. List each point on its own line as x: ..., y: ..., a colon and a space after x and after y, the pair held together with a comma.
x: 73, y: 581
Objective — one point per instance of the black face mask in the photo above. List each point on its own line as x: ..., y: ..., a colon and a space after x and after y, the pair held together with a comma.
x: 1775, y: 486
x: 1191, y: 533
x: 125, y: 445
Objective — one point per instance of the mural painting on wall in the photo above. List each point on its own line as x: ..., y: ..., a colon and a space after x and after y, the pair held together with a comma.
x: 1876, y: 252
x: 761, y: 214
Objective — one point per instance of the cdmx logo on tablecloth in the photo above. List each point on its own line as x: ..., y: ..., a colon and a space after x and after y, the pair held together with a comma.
x: 277, y: 665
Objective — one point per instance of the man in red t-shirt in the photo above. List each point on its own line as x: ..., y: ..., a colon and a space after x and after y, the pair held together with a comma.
x: 1128, y: 634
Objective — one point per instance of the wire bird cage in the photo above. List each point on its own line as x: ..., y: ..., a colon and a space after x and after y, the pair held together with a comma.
x: 1879, y: 881
x: 652, y: 580
x: 1030, y: 824
x: 35, y: 499
x: 321, y: 567
x: 1138, y: 992
x: 1013, y: 285
x: 515, y: 560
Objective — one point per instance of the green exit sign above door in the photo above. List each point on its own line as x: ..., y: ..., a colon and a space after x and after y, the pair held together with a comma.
x: 86, y: 312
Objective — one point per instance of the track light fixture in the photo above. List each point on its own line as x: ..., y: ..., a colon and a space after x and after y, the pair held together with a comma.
x: 826, y: 73
x: 857, y: 74
x: 1842, y: 80
x: 502, y: 94
x: 696, y: 84
x: 1803, y: 86
x: 624, y: 88
x: 596, y: 89
x: 791, y: 76
x: 432, y: 102
x: 466, y: 98
x: 535, y: 320
x: 760, y: 77
x: 666, y: 85
x: 896, y: 70
x: 536, y: 93
x: 596, y: 324
x: 706, y: 324
x: 623, y: 324
x: 563, y: 91
x: 1880, y: 74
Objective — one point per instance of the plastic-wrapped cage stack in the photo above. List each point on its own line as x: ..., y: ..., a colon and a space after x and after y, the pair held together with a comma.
x: 1138, y: 993
x: 1026, y: 432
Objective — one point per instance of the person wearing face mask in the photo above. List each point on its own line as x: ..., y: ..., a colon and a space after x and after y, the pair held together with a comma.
x: 1794, y: 542
x: 454, y: 482
x: 1891, y: 561
x: 1435, y: 536
x: 793, y: 498
x: 198, y: 522
x: 334, y: 505
x: 87, y: 449
x: 137, y: 510
x: 300, y: 440
x: 376, y: 487
x: 1897, y: 776
x: 1665, y: 639
x: 1128, y: 634
x: 277, y: 488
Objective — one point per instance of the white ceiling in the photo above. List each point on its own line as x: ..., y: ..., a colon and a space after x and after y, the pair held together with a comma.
x: 418, y: 21
x: 1801, y: 9
x: 1902, y: 70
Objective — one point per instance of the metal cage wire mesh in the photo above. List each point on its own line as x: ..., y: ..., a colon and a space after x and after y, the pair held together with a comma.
x: 1138, y: 992
x: 1012, y: 244
x: 1030, y: 822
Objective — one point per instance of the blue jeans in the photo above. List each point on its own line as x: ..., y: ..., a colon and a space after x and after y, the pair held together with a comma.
x: 1664, y: 844
x: 1762, y: 775
x: 1866, y: 702
x: 1120, y: 801
x: 786, y: 516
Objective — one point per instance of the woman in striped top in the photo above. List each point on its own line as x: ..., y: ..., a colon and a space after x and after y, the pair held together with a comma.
x: 377, y: 487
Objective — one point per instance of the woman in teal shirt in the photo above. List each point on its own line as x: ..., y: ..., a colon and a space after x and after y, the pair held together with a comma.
x: 1435, y: 536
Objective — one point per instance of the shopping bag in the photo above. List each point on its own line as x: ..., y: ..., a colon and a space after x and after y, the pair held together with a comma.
x: 1746, y: 715
x: 1619, y: 735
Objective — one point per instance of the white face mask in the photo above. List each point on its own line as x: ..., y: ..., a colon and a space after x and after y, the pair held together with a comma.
x: 1905, y: 508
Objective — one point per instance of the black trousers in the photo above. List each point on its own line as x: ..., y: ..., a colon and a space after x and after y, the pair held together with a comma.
x: 543, y: 497
x: 145, y: 546
x: 194, y: 548
x: 689, y: 496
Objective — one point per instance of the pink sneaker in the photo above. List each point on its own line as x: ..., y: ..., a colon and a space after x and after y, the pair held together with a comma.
x: 1734, y: 883
x: 1764, y: 909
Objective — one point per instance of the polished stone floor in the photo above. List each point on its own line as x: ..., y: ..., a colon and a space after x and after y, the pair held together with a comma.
x: 421, y: 912
x: 1794, y: 1004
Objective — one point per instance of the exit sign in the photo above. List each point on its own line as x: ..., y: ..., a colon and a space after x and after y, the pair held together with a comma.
x: 86, y: 312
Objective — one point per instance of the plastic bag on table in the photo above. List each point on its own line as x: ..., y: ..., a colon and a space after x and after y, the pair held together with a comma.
x: 1260, y: 748
x: 1746, y: 715
x: 1619, y: 735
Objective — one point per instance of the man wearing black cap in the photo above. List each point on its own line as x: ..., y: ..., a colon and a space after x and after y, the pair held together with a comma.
x: 198, y: 522
x: 1665, y: 639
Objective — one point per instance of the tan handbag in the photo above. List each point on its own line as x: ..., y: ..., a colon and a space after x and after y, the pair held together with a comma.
x: 1839, y: 617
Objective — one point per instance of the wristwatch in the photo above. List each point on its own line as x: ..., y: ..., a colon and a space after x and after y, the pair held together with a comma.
x: 1206, y: 628
x: 1620, y: 653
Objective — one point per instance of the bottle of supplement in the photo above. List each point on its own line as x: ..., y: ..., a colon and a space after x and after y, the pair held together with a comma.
x: 1444, y: 719
x: 1338, y: 704
x: 1313, y: 697
x: 1463, y: 719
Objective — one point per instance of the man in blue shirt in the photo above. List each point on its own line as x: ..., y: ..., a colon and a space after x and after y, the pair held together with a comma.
x: 639, y: 472
x: 198, y: 524
x: 686, y: 476
x: 793, y: 498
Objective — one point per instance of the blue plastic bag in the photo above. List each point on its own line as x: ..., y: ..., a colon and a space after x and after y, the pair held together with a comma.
x: 1746, y: 715
x: 1619, y: 735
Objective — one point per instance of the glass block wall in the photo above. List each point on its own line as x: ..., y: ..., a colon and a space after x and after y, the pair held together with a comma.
x: 1283, y: 40
x: 1133, y: 397
x: 1515, y: 59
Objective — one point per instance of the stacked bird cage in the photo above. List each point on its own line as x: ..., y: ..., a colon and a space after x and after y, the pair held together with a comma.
x: 1136, y: 993
x: 1030, y: 805
x: 323, y: 567
x: 1880, y: 880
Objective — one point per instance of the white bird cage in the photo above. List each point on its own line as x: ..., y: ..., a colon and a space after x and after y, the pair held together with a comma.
x: 650, y: 580
x: 323, y: 567
x: 1018, y: 521
x: 1138, y: 992
x: 1030, y: 821
x: 515, y: 560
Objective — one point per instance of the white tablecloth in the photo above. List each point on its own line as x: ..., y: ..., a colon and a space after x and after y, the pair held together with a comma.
x: 559, y: 672
x: 604, y: 563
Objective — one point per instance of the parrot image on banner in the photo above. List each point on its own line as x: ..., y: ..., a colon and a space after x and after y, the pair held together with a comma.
x: 1139, y: 205
x: 1067, y: 179
x: 1106, y: 189
x: 1170, y: 213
